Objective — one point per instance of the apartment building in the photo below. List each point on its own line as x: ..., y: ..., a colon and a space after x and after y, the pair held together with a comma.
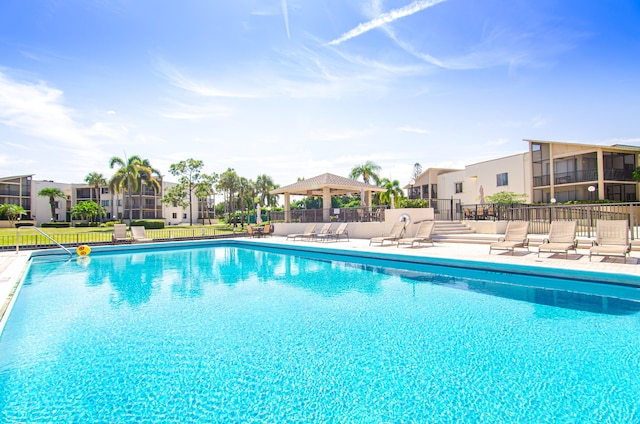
x: 146, y: 204
x: 548, y: 170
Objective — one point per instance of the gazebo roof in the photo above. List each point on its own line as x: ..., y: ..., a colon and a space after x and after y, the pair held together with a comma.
x: 337, y: 185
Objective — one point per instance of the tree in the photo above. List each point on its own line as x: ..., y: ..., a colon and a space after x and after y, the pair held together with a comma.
x: 53, y: 194
x: 368, y: 170
x: 505, y: 197
x: 393, y: 188
x: 417, y: 170
x: 246, y: 196
x: 228, y: 184
x: 12, y: 212
x: 264, y: 184
x: 95, y: 180
x: 126, y: 178
x: 190, y: 175
x: 205, y: 189
x: 147, y: 177
x: 87, y: 210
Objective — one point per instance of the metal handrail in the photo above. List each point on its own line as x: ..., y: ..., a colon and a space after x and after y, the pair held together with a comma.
x: 44, y: 234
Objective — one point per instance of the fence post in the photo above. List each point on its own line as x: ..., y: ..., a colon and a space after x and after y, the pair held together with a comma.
x: 451, y: 210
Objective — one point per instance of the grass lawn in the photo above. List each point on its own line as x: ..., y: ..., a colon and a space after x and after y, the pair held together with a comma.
x: 30, y: 236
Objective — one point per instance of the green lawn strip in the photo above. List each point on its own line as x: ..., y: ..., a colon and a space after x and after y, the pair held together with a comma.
x: 29, y: 236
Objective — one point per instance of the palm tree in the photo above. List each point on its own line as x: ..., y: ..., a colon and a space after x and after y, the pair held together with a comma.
x: 126, y: 178
x: 368, y: 170
x: 12, y: 212
x: 393, y: 188
x: 95, y: 180
x: 228, y: 184
x: 147, y: 177
x: 264, y: 184
x: 53, y: 194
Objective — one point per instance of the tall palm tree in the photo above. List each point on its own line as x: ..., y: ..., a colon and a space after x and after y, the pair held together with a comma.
x: 150, y: 177
x: 95, y: 180
x: 126, y: 178
x: 53, y: 194
x: 228, y: 184
x: 368, y: 170
x: 393, y: 188
x: 263, y: 185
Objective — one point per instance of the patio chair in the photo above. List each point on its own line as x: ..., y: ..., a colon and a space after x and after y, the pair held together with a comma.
x: 254, y: 232
x: 309, y: 232
x: 267, y: 230
x: 120, y: 233
x: 139, y: 234
x: 423, y: 235
x: 562, y: 238
x: 394, y: 235
x: 514, y: 236
x: 612, y: 239
x: 340, y: 232
x: 468, y: 214
x: 325, y: 231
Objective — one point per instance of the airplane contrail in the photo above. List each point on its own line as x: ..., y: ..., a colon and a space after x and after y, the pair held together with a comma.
x: 285, y: 13
x: 386, y: 18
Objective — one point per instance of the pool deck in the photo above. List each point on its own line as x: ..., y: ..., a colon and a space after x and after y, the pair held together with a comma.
x: 12, y: 264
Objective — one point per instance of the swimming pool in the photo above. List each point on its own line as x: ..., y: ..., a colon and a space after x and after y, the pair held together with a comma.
x: 232, y: 333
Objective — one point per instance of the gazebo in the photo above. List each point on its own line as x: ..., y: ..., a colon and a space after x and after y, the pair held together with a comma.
x: 325, y: 185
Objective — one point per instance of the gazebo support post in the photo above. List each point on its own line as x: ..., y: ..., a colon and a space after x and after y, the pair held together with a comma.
x: 326, y: 204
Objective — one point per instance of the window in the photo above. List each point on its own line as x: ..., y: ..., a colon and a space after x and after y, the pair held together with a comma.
x: 184, y: 216
x: 502, y: 179
x: 458, y: 187
x: 175, y: 215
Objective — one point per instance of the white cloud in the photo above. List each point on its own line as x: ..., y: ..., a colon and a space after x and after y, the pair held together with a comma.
x: 178, y: 79
x: 38, y: 110
x: 414, y: 130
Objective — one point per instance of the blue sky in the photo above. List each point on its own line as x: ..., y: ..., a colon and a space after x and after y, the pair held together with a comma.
x: 294, y: 88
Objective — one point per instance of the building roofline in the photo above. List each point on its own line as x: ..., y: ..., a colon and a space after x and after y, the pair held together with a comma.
x: 612, y: 146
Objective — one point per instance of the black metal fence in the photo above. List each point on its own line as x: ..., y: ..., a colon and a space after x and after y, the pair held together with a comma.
x: 361, y: 214
x: 38, y: 241
x: 541, y: 216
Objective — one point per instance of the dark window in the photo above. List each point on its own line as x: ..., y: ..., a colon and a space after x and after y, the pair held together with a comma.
x: 458, y: 187
x: 502, y: 179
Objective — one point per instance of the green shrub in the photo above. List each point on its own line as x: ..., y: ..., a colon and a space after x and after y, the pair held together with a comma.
x: 148, y: 224
x: 111, y: 223
x: 86, y: 224
x: 55, y: 225
x: 24, y: 224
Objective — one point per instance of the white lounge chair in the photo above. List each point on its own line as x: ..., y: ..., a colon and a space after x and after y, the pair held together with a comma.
x: 120, y: 233
x: 514, y: 236
x: 562, y: 238
x: 140, y: 235
x: 612, y: 239
x: 308, y: 233
x: 394, y: 235
x: 423, y: 235
x: 340, y: 232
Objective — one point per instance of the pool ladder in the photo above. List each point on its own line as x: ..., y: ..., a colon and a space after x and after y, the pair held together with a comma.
x: 44, y: 234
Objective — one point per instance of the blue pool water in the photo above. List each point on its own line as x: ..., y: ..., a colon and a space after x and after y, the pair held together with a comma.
x: 224, y: 334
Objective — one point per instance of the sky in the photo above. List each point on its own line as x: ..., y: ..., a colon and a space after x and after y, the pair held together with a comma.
x: 297, y: 88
